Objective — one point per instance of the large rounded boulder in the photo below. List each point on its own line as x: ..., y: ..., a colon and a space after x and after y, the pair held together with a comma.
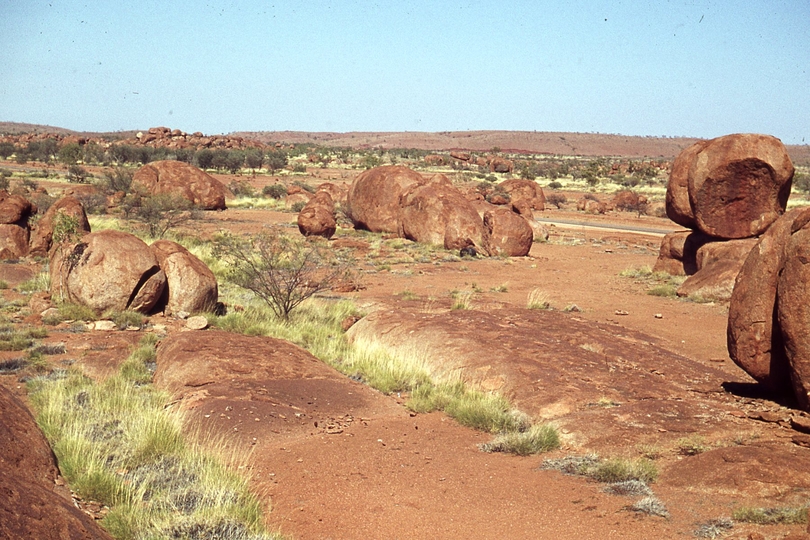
x: 15, y: 209
x: 753, y: 334
x: 183, y: 180
x: 739, y: 184
x: 13, y: 241
x: 190, y: 285
x: 793, y: 308
x: 507, y: 233
x: 439, y: 214
x: 317, y: 217
x: 524, y: 190
x: 42, y: 233
x: 107, y: 270
x: 373, y: 198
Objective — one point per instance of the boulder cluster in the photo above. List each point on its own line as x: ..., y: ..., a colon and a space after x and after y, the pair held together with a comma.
x: 114, y: 270
x: 19, y: 238
x: 727, y: 191
x: 174, y: 138
x: 397, y: 200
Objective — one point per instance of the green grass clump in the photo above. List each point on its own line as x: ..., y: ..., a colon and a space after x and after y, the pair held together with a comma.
x: 69, y: 311
x: 119, y: 445
x: 126, y: 319
x: 537, y: 439
x: 771, y: 516
x: 610, y: 471
x: 38, y: 283
x: 666, y: 291
x: 19, y: 339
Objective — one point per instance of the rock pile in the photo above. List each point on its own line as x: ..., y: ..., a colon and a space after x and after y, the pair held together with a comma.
x: 396, y: 199
x: 729, y: 188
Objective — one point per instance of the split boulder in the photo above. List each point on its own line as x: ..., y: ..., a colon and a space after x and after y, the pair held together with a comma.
x: 190, y: 284
x: 107, y: 270
x: 753, y: 335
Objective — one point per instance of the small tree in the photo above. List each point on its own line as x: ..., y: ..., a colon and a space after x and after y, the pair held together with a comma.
x: 159, y: 213
x: 77, y: 174
x: 275, y: 160
x: 280, y: 270
x: 115, y: 180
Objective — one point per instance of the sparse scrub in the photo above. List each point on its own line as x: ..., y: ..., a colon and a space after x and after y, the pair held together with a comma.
x: 660, y: 283
x: 126, y: 319
x: 38, y: 283
x: 691, y: 446
x: 538, y: 300
x: 275, y: 191
x: 714, y: 528
x: 650, y: 505
x: 461, y: 300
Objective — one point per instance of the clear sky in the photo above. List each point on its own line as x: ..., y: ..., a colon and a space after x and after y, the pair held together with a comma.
x: 676, y: 68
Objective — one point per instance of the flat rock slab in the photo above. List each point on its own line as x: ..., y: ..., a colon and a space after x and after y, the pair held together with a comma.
x: 249, y: 386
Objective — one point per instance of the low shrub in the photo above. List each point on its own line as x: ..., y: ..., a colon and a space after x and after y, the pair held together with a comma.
x: 275, y: 191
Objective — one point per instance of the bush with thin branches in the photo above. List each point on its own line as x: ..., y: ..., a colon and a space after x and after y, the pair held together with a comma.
x: 279, y: 269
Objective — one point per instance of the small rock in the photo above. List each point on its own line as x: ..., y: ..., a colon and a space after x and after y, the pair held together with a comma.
x: 800, y: 424
x: 801, y: 440
x: 182, y: 315
x: 50, y: 312
x: 104, y: 326
x: 198, y: 322
x: 658, y: 316
x: 621, y: 312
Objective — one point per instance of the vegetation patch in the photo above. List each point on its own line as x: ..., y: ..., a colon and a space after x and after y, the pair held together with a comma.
x: 785, y: 515
x: 117, y: 444
x: 657, y: 283
x: 610, y: 471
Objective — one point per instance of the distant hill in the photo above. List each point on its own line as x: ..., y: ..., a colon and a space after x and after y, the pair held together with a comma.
x: 532, y: 142
x: 18, y: 128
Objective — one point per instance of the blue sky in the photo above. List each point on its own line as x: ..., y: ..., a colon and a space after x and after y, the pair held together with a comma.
x: 675, y: 68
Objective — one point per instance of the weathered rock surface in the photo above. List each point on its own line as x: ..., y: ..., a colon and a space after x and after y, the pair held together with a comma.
x: 216, y: 370
x: 107, y: 270
x: 317, y: 218
x: 718, y: 264
x: 754, y: 337
x: 373, y: 198
x: 30, y: 506
x: 42, y: 233
x: 13, y: 241
x: 507, y: 233
x: 435, y: 213
x: 184, y: 180
x: 793, y: 308
x: 190, y: 284
x: 739, y: 184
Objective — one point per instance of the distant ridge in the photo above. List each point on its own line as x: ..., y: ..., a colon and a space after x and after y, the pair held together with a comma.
x: 530, y: 142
